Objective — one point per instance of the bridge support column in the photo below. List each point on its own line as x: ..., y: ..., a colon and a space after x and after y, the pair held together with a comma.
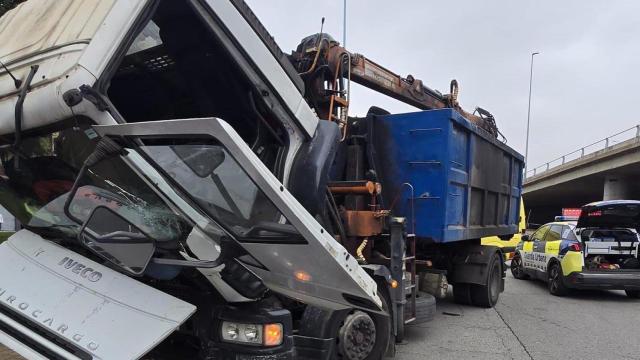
x: 616, y: 188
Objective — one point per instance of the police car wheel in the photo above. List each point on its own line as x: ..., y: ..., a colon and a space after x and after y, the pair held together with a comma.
x: 634, y: 294
x: 517, y: 269
x: 487, y: 295
x: 555, y: 283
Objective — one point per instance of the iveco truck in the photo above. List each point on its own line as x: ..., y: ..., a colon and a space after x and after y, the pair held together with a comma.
x: 181, y: 196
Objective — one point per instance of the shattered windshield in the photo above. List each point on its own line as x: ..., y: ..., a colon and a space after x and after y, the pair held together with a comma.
x: 213, y: 178
x: 35, y: 181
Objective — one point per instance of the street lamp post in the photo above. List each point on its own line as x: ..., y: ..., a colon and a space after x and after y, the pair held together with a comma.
x: 344, y: 25
x: 526, y: 150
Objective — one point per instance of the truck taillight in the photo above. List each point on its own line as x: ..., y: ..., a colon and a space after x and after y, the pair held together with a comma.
x: 575, y: 247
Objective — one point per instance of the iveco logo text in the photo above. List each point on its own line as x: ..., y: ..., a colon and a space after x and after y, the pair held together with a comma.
x: 80, y: 269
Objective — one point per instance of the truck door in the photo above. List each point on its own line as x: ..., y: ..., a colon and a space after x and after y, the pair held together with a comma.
x: 208, y: 163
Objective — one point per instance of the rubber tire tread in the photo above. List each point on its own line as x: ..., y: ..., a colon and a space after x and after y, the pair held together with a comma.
x: 462, y: 293
x: 481, y: 294
x: 562, y: 289
x: 522, y: 276
x: 427, y: 311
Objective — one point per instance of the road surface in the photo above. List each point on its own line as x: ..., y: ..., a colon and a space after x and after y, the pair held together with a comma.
x: 528, y: 323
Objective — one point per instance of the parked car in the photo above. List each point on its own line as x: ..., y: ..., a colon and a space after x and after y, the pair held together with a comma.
x: 599, y: 251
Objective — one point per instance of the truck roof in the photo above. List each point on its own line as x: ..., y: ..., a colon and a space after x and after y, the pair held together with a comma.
x: 73, y: 41
x: 39, y: 29
x: 36, y: 26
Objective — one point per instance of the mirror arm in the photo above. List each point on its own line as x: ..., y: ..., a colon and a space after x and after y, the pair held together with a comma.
x: 209, y: 264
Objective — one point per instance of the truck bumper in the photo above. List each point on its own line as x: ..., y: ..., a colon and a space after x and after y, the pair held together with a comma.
x: 604, y: 280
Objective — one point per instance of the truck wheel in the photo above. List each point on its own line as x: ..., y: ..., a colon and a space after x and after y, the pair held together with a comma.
x: 366, y: 337
x: 634, y: 294
x: 517, y: 269
x: 487, y: 295
x: 462, y: 293
x: 555, y: 283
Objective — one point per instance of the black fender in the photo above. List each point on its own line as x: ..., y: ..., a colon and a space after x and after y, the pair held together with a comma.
x: 469, y: 264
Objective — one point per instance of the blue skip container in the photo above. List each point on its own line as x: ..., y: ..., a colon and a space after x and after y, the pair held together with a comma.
x: 460, y: 181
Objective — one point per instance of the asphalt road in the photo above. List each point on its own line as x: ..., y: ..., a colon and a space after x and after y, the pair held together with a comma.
x: 528, y: 323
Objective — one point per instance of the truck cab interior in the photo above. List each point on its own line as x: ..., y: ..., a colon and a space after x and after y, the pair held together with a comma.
x: 176, y: 68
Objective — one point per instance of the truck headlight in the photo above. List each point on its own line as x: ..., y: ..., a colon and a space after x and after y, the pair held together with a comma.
x: 254, y: 334
x: 230, y: 331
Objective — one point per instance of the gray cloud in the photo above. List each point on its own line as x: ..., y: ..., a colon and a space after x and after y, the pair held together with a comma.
x: 584, y: 78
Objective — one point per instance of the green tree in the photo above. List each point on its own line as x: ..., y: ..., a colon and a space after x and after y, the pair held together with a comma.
x: 6, y: 5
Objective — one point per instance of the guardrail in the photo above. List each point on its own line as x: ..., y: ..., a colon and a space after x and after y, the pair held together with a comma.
x: 599, y: 145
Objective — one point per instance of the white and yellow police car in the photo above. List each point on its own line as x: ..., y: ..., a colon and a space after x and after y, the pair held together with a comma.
x: 599, y: 251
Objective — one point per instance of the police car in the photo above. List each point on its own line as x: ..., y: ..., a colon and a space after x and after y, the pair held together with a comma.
x: 599, y: 251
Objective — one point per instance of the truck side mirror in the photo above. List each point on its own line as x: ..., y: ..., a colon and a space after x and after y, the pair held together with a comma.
x: 526, y: 238
x: 116, y: 239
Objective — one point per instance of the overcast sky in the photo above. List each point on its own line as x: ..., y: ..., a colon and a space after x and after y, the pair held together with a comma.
x: 585, y: 79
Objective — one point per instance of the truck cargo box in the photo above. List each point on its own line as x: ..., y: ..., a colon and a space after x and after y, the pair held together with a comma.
x: 466, y: 184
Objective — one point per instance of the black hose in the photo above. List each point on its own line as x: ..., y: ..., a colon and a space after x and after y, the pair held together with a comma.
x: 18, y: 109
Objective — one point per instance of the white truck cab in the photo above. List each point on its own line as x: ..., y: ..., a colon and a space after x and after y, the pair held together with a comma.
x: 146, y: 147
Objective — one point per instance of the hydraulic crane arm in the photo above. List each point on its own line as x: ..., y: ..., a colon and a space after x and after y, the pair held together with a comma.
x: 328, y: 68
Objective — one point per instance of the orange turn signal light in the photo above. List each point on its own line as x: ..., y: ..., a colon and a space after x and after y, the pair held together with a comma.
x: 273, y: 334
x: 302, y: 276
x: 394, y: 284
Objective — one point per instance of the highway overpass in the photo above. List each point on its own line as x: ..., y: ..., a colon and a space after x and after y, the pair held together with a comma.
x: 605, y: 170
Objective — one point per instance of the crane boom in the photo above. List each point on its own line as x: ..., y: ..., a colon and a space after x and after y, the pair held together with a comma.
x: 328, y: 68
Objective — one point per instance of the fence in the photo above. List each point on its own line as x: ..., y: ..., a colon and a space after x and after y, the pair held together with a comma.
x: 604, y: 144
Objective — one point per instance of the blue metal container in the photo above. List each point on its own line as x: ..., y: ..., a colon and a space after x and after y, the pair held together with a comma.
x: 460, y: 182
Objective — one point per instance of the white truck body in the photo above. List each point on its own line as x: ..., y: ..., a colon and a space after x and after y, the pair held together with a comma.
x: 75, y: 43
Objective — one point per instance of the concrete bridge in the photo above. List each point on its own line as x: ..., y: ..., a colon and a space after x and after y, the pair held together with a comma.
x: 608, y: 169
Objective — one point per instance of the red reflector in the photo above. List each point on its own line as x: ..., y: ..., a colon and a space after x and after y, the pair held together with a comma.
x: 575, y: 247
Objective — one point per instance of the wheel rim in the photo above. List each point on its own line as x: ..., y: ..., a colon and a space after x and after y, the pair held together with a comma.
x: 516, y: 265
x: 357, y: 336
x: 553, y: 278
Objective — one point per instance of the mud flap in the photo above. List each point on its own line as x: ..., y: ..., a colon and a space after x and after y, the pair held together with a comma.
x: 61, y: 305
x: 470, y: 265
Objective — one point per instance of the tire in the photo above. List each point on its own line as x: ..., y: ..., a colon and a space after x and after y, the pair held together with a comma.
x: 384, y: 344
x: 462, y: 293
x: 425, y: 308
x: 323, y: 323
x: 487, y: 296
x: 517, y: 269
x: 634, y: 294
x: 555, y: 281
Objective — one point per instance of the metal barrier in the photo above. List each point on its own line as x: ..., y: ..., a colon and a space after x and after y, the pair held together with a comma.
x: 608, y: 143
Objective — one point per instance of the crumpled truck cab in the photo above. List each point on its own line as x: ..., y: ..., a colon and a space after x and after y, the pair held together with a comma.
x: 146, y: 148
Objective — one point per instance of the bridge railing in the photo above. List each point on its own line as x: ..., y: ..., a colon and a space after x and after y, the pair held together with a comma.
x: 603, y: 144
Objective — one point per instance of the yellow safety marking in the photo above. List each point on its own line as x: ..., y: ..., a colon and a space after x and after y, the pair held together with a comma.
x: 528, y: 246
x: 572, y: 262
x: 552, y: 247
